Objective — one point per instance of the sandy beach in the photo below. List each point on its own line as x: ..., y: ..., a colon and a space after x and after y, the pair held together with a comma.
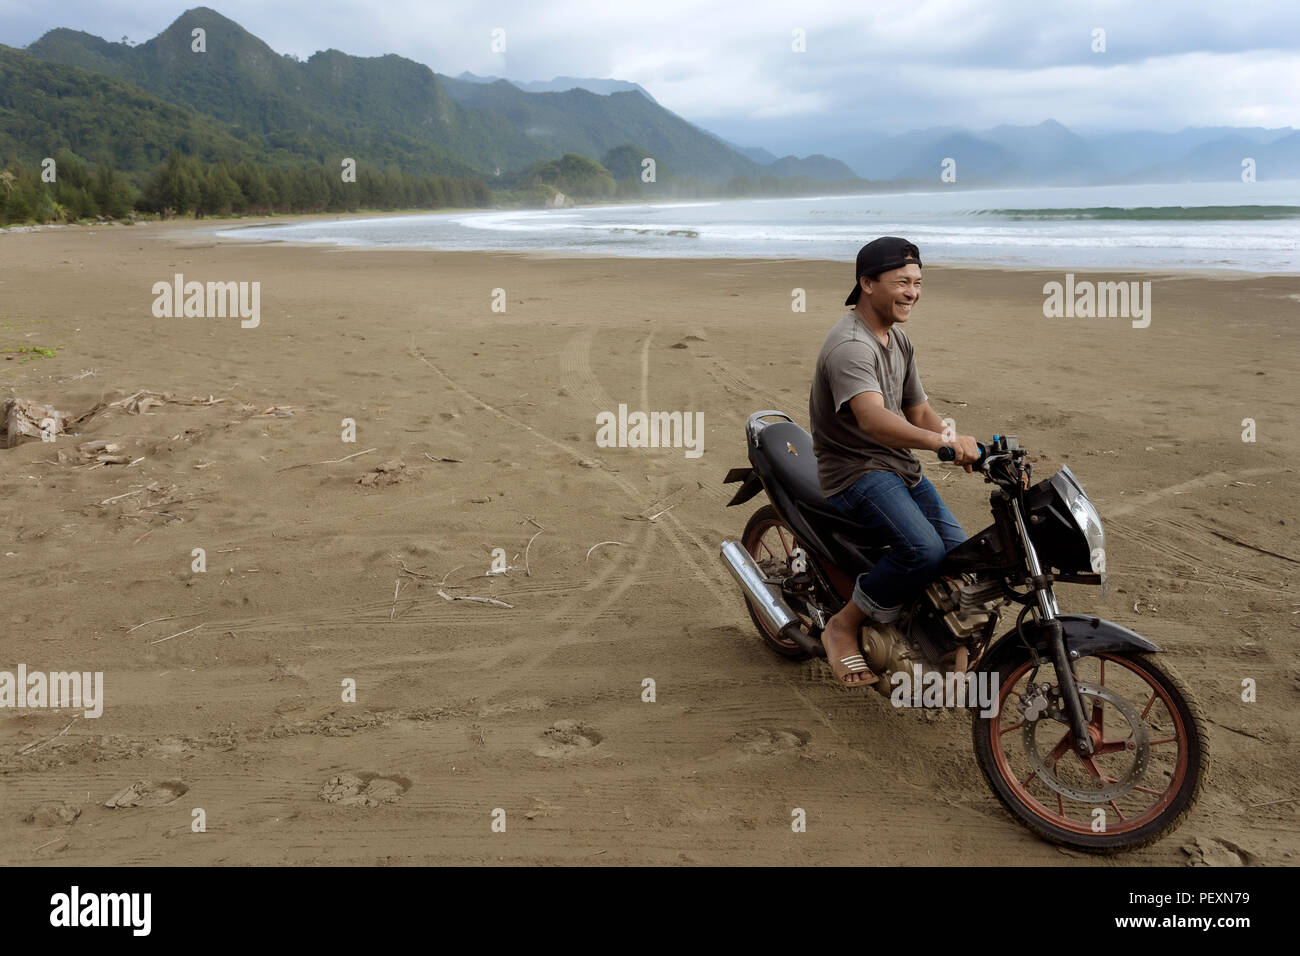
x: 322, y: 571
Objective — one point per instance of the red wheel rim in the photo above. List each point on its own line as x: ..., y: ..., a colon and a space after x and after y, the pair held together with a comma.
x: 1058, y: 817
x: 765, y: 551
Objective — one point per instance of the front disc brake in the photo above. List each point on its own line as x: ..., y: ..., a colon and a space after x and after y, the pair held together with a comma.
x: 1138, y: 745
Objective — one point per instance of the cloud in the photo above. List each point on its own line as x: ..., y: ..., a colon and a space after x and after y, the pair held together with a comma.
x: 731, y: 66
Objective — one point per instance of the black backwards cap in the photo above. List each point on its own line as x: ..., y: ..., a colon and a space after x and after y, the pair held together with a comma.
x: 881, y: 255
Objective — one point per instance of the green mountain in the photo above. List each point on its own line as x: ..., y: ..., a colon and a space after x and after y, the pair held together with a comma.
x: 380, y: 111
x: 47, y: 107
x: 388, y: 109
x: 578, y: 121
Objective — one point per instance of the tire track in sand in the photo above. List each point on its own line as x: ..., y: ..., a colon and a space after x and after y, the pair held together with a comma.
x: 672, y: 528
x: 580, y: 381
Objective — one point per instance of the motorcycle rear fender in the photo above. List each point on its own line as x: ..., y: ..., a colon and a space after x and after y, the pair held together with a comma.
x: 1085, y: 635
x: 751, y: 486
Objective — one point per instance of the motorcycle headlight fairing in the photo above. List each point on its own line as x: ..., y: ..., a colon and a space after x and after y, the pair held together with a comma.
x: 1088, y: 520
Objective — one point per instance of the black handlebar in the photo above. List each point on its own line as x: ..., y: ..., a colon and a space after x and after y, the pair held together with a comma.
x: 947, y: 453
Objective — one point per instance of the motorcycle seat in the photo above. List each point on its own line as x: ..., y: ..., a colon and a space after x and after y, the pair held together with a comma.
x: 788, y: 450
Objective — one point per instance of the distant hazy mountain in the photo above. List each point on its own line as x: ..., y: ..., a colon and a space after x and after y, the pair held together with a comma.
x: 920, y: 156
x: 562, y: 84
x: 756, y: 153
x: 578, y: 121
x: 816, y: 167
x: 1050, y: 154
x: 808, y: 167
x: 1127, y: 153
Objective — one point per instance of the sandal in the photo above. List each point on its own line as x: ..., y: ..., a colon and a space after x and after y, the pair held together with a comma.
x: 853, y: 664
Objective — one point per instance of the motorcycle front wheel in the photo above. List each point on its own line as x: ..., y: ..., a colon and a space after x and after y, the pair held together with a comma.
x: 1147, y: 770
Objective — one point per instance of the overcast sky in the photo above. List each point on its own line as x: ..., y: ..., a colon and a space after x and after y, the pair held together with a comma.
x: 730, y: 66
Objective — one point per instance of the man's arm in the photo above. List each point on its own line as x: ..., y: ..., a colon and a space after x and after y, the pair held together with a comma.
x: 892, y: 430
x: 923, y: 416
x: 897, y: 432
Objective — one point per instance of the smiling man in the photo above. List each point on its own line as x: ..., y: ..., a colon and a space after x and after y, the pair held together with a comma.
x: 867, y: 411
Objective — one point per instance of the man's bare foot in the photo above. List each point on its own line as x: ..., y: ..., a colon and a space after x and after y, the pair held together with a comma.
x: 844, y: 650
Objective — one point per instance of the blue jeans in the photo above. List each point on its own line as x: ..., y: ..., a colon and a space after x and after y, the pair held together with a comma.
x: 917, y: 526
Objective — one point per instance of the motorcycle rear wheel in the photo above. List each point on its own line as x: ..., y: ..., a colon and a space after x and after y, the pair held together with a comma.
x: 771, y: 543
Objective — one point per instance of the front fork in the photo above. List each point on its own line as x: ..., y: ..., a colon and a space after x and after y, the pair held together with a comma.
x: 1047, y: 619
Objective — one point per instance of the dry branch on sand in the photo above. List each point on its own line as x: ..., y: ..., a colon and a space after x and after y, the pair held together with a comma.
x: 330, y: 461
x: 27, y: 419
x: 144, y: 400
x: 478, y: 600
x: 597, y: 545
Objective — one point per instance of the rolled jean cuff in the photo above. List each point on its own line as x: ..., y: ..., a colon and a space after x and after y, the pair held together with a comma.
x: 873, y: 611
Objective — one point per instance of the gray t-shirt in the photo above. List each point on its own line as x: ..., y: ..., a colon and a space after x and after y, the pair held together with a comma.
x: 852, y: 361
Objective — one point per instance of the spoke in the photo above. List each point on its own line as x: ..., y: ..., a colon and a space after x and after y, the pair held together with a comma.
x: 1147, y: 709
x: 1157, y: 793
x: 1007, y: 730
x: 1057, y: 751
x: 1032, y: 775
x: 1110, y: 747
x: 781, y: 534
x: 1060, y: 805
x: 1091, y: 766
x: 1163, y: 740
x: 1118, y: 812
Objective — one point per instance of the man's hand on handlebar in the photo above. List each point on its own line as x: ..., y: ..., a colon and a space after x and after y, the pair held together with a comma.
x: 962, y: 450
x: 967, y: 451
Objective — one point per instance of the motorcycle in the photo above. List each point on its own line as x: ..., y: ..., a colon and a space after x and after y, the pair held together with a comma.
x: 1092, y: 742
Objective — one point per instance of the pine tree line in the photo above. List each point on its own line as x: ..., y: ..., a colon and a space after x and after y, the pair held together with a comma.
x: 183, y: 186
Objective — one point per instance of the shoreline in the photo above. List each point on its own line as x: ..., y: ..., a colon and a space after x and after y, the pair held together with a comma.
x: 213, y: 229
x: 215, y: 235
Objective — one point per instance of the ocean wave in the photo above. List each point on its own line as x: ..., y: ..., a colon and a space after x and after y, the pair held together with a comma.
x: 1144, y: 213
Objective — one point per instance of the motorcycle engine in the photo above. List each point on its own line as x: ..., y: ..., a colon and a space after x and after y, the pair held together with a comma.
x: 886, y: 650
x: 968, y: 610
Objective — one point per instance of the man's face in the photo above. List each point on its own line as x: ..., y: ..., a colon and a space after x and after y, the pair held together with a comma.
x: 893, y: 294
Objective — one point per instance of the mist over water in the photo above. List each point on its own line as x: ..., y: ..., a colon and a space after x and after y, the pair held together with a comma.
x: 1254, y: 227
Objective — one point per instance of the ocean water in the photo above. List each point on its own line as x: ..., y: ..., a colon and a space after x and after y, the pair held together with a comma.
x: 1254, y: 227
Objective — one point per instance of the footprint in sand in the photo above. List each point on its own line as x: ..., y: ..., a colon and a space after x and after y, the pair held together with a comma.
x: 566, y: 737
x: 1215, y: 851
x: 363, y: 789
x: 766, y: 742
x: 53, y: 813
x: 146, y: 793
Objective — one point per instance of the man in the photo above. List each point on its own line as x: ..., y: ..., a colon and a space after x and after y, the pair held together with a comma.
x: 867, y: 411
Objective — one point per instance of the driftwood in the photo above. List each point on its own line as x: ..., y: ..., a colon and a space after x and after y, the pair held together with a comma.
x: 24, y: 418
x: 144, y: 400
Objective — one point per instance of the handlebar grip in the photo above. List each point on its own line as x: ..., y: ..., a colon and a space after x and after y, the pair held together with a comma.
x: 946, y: 453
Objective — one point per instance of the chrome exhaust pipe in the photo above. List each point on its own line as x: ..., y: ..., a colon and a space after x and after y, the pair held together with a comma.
x: 771, y: 608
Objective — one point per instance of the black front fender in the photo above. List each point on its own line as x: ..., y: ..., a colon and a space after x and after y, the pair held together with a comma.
x: 1088, y: 636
